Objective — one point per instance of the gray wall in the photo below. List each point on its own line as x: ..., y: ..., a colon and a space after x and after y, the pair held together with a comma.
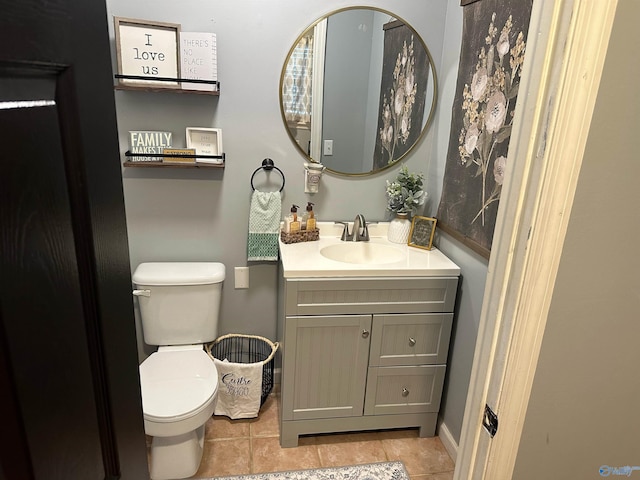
x: 583, y: 409
x: 201, y: 215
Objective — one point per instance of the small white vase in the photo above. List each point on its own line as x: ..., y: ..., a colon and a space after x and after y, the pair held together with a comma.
x: 399, y: 228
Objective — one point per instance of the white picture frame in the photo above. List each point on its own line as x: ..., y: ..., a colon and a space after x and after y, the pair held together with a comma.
x: 205, y: 141
x: 146, y: 50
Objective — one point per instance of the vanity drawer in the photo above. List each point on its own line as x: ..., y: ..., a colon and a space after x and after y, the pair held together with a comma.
x: 387, y: 295
x: 413, y: 339
x: 395, y: 390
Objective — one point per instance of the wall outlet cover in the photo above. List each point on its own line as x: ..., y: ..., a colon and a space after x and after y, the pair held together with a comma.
x: 242, y: 277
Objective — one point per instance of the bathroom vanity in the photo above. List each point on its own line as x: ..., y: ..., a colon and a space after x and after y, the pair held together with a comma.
x: 364, y: 329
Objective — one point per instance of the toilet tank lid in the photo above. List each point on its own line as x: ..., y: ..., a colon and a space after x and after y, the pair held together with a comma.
x: 179, y: 273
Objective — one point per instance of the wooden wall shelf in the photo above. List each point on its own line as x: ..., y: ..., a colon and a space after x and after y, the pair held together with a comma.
x: 141, y: 87
x: 172, y: 165
x: 144, y: 88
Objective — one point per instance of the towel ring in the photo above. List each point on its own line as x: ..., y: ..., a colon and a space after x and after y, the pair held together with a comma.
x: 267, y: 164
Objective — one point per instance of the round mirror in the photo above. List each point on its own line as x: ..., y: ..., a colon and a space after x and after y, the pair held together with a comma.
x: 358, y: 90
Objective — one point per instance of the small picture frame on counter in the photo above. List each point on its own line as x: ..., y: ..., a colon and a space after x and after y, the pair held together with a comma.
x: 207, y: 142
x: 422, y: 232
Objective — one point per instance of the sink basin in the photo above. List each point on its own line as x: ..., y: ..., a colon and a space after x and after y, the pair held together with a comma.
x: 362, y: 253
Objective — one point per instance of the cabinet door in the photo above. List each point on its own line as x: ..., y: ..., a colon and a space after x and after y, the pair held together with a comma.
x: 325, y: 366
x: 394, y: 390
x: 410, y: 339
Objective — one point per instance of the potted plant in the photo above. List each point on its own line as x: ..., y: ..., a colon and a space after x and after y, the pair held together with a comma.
x: 404, y: 196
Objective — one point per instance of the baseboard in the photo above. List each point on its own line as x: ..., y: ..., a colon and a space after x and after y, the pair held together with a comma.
x: 449, y: 443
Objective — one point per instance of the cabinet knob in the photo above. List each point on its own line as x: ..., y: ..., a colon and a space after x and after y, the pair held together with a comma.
x: 405, y: 392
x: 365, y: 333
x: 412, y: 341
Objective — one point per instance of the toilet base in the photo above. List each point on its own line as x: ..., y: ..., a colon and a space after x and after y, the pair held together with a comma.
x: 176, y: 457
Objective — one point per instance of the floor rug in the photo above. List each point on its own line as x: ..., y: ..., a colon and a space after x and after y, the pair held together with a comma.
x: 370, y: 471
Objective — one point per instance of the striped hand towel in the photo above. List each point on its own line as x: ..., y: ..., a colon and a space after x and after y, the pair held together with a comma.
x: 264, y: 226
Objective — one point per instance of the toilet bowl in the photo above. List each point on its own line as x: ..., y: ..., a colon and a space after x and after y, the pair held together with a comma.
x: 179, y: 392
x: 179, y: 304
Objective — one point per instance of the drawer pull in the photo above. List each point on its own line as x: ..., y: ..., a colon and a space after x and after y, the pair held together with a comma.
x: 412, y: 341
x: 405, y: 392
x: 365, y: 333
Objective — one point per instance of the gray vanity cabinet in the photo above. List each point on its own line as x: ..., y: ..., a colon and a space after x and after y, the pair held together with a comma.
x: 363, y: 354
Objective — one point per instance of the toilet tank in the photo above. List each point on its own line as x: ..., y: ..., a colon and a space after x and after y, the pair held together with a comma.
x: 179, y: 301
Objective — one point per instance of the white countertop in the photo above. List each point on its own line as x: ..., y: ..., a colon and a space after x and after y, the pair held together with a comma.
x: 304, y: 260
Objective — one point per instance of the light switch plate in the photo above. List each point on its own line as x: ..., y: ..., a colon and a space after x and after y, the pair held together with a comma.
x: 328, y: 148
x: 242, y: 277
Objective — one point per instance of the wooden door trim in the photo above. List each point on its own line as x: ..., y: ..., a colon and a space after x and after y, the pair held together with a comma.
x: 515, y: 312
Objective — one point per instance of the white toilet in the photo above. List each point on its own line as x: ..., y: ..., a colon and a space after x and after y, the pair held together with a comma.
x: 179, y: 307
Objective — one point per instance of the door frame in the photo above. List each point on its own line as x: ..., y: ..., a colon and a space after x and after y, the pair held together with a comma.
x: 568, y: 41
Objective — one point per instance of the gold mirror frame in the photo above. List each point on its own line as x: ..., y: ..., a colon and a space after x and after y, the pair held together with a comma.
x: 432, y: 76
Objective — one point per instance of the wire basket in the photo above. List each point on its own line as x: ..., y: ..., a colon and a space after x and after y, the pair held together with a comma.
x: 238, y: 348
x: 300, y: 236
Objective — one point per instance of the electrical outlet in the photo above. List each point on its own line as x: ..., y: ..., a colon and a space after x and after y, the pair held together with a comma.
x: 328, y: 148
x: 242, y: 277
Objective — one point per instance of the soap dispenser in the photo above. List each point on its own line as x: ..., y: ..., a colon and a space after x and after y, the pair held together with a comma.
x: 308, y: 219
x: 291, y: 222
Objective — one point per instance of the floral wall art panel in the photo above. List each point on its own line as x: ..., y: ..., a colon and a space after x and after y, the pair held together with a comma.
x: 494, y: 39
x: 405, y: 72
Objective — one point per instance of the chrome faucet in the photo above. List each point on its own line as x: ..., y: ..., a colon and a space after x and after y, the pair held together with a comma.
x: 360, y: 230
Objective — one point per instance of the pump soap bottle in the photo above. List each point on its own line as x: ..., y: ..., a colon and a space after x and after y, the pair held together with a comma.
x: 308, y: 219
x: 291, y: 222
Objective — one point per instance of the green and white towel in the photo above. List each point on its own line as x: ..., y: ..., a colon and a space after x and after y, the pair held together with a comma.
x: 264, y: 226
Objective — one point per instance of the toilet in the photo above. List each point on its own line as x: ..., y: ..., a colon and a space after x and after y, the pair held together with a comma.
x: 179, y: 308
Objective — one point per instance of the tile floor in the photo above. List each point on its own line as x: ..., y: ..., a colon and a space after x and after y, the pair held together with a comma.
x: 238, y: 447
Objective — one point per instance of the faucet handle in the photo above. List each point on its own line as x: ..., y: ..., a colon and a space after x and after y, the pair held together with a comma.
x: 365, y: 233
x: 346, y: 236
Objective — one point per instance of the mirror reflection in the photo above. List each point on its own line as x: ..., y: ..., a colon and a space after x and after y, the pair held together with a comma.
x: 358, y: 90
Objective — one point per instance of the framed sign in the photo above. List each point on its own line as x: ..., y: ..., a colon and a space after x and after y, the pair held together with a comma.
x: 199, y: 60
x: 205, y: 141
x: 147, y: 52
x: 149, y: 142
x: 422, y: 232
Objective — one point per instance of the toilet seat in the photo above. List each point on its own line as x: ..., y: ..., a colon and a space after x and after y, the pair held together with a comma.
x: 177, y: 383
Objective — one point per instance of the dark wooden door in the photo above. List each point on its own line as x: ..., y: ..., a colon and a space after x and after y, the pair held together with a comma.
x: 69, y: 385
